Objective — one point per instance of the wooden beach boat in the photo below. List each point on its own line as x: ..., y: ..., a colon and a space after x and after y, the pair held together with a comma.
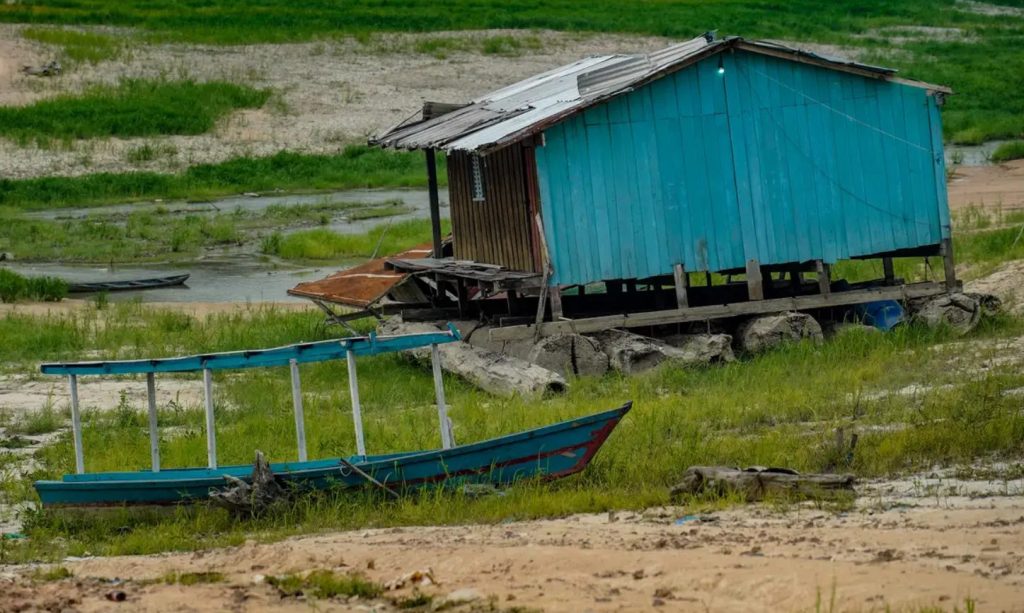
x: 548, y: 452
x: 123, y: 286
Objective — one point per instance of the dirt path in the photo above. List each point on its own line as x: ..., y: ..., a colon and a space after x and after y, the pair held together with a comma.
x: 908, y: 544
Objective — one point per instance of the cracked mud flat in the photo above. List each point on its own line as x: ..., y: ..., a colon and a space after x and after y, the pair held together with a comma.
x: 932, y: 540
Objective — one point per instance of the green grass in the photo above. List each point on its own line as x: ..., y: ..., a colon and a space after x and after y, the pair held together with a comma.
x: 14, y: 287
x: 326, y: 584
x: 132, y: 108
x: 357, y: 166
x: 780, y: 408
x: 984, y: 67
x: 193, y: 578
x: 323, y: 244
x: 158, y: 234
x: 1009, y: 151
x: 78, y: 47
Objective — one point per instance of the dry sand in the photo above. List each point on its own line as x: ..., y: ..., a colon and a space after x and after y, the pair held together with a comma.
x: 933, y: 540
x: 993, y: 187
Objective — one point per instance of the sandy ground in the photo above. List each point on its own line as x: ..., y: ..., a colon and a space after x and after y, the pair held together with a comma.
x: 933, y: 540
x: 994, y: 187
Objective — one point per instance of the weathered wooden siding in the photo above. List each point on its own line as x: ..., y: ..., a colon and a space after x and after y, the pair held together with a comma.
x: 498, y: 229
x: 771, y: 160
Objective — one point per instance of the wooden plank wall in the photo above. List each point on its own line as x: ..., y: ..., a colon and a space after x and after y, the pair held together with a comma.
x: 498, y: 229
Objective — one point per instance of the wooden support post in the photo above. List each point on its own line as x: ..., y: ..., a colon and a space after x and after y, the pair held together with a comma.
x: 555, y: 297
x: 707, y: 278
x: 794, y: 280
x: 447, y: 440
x: 682, y: 282
x: 300, y: 420
x: 888, y: 271
x: 755, y: 284
x: 76, y: 424
x: 435, y: 206
x: 211, y: 433
x: 154, y: 434
x: 824, y: 277
x: 357, y: 413
x: 949, y: 265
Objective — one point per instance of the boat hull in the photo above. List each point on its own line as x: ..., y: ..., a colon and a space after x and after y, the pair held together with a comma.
x: 549, y: 452
x: 124, y: 286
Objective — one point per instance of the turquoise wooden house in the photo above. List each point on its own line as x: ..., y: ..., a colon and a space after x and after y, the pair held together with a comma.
x: 727, y: 156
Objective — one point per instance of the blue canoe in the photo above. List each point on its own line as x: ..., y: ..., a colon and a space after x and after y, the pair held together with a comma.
x: 549, y: 452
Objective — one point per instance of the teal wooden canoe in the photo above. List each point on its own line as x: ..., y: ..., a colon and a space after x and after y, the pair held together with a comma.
x: 548, y: 452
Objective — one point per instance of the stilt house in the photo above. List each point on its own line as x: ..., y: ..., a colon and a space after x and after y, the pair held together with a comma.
x: 622, y: 182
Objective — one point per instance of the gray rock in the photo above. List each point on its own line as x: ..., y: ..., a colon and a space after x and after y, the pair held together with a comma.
x: 958, y: 311
x: 768, y: 331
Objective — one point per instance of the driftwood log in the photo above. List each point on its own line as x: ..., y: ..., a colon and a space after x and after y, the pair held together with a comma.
x: 251, y: 499
x: 490, y: 371
x: 756, y: 483
x: 569, y: 354
x: 632, y: 353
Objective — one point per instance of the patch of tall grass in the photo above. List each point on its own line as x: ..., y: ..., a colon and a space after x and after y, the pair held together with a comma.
x: 133, y: 107
x: 1009, y: 151
x: 324, y: 244
x: 357, y: 166
x: 78, y: 46
x: 14, y: 287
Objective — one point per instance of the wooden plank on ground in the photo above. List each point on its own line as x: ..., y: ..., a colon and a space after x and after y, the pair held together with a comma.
x: 703, y: 313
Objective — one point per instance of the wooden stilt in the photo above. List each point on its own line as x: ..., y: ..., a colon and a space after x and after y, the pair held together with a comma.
x: 949, y: 265
x: 435, y: 207
x: 447, y: 440
x: 76, y: 424
x: 357, y: 413
x: 300, y: 420
x: 211, y: 433
x: 888, y: 271
x: 755, y: 284
x: 824, y: 277
x: 555, y: 298
x: 682, y: 282
x: 154, y: 434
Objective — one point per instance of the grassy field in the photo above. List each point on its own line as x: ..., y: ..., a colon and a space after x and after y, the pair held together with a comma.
x: 131, y: 108
x: 323, y: 244
x: 778, y: 409
x: 982, y: 63
x: 162, y: 234
x: 356, y: 166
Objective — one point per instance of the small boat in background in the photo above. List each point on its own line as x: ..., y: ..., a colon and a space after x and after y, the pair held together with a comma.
x: 548, y: 452
x: 123, y: 286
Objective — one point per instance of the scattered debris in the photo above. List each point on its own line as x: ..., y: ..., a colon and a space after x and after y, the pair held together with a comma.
x: 767, y: 331
x: 250, y: 500
x: 756, y: 482
x: 418, y: 578
x: 49, y: 69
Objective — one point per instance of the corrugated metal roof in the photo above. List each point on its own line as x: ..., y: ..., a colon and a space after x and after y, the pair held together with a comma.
x: 527, y: 107
x: 361, y: 286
